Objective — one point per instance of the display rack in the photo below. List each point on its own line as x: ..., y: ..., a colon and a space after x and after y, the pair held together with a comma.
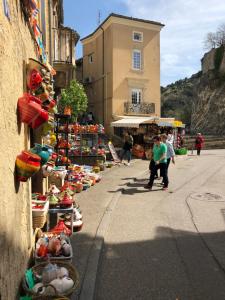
x: 62, y: 120
x: 86, y: 139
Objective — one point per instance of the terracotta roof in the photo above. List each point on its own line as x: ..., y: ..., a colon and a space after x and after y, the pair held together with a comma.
x: 122, y: 17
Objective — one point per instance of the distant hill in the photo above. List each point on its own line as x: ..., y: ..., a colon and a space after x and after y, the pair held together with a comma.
x: 199, y: 101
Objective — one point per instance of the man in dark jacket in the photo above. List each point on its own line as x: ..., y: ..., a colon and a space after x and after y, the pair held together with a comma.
x: 127, y: 147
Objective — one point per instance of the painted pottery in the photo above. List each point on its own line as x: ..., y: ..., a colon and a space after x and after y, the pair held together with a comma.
x: 53, y: 200
x: 66, y: 201
x: 62, y: 285
x: 27, y: 164
x: 49, y: 104
x: 34, y: 79
x: 61, y: 227
x: 41, y: 151
x: 47, y: 170
x: 53, y: 189
x: 31, y: 112
x: 67, y: 111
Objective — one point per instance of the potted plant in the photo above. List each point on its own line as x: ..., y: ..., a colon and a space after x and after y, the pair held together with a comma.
x: 73, y: 100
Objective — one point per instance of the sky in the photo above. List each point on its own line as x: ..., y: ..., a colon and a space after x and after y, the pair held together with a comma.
x: 186, y: 26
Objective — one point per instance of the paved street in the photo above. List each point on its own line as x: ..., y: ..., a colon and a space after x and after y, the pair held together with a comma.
x: 157, y: 244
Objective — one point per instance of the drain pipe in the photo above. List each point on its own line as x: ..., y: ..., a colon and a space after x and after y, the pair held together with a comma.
x: 50, y: 31
x: 103, y: 74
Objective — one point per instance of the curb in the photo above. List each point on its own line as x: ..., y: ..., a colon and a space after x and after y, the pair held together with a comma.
x: 88, y: 286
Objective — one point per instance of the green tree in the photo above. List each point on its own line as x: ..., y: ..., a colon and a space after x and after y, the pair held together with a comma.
x: 75, y: 97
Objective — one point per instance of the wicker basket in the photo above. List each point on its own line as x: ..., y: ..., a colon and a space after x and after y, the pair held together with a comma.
x: 40, y: 216
x: 73, y: 274
x: 39, y: 221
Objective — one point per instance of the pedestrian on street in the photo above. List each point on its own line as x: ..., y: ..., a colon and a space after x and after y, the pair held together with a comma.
x: 170, y: 136
x: 170, y: 152
x: 199, y: 142
x: 160, y: 160
x: 127, y: 147
x: 90, y: 118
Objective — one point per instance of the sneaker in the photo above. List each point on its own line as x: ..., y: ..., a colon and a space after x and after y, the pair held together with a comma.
x: 128, y: 164
x: 165, y: 188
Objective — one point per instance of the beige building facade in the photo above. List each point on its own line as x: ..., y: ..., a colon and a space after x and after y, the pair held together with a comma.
x: 121, y: 68
x: 64, y: 40
x: 17, y: 45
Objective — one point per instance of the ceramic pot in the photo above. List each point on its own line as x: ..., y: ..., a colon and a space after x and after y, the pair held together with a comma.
x: 31, y: 112
x: 34, y: 79
x: 41, y: 151
x: 61, y: 227
x: 53, y: 200
x: 47, y: 170
x: 49, y: 104
x: 62, y: 285
x: 27, y: 164
x: 66, y: 201
x: 67, y: 111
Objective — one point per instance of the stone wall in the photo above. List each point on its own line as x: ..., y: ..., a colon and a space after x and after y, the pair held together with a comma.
x: 16, y: 46
x: 208, y: 62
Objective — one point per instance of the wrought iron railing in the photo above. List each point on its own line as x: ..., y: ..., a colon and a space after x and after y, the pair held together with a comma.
x: 139, y: 108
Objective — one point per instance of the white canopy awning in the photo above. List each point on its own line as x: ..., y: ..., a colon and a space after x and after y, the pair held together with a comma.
x: 132, y: 122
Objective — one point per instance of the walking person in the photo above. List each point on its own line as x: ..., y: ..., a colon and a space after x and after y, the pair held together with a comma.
x: 199, y: 142
x: 170, y: 152
x: 160, y: 160
x: 127, y: 147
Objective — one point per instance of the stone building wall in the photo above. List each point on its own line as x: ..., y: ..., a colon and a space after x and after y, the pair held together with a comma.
x: 16, y: 46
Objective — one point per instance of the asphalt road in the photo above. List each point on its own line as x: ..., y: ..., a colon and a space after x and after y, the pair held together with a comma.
x: 161, y: 245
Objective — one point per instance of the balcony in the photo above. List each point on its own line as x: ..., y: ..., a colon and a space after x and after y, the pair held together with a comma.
x: 65, y: 40
x: 143, y: 108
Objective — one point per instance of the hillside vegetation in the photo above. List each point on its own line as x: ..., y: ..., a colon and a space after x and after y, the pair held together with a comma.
x: 199, y: 101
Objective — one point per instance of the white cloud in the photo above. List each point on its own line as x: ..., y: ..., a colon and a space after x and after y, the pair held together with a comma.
x: 187, y: 23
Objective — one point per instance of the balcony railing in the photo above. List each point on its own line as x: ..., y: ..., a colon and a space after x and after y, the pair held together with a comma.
x: 144, y: 108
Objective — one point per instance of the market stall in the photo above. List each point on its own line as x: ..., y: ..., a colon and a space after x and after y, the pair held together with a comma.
x: 143, y: 129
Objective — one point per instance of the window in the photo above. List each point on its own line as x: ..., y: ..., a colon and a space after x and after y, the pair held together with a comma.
x: 136, y: 95
x: 136, y: 60
x: 90, y: 59
x: 137, y: 36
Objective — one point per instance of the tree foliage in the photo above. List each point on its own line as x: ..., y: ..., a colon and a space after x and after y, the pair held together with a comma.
x: 215, y: 39
x: 218, y: 57
x: 75, y: 97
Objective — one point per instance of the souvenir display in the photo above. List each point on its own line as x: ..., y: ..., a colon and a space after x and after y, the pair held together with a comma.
x: 31, y: 111
x: 27, y: 164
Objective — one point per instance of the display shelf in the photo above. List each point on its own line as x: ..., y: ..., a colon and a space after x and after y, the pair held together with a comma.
x: 59, y: 118
x: 62, y: 116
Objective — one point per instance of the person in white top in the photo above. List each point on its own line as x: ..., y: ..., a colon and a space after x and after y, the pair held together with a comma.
x: 170, y: 150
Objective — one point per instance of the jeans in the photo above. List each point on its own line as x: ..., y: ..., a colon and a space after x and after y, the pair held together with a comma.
x: 198, y: 151
x: 126, y: 153
x: 163, y: 170
x: 167, y: 167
